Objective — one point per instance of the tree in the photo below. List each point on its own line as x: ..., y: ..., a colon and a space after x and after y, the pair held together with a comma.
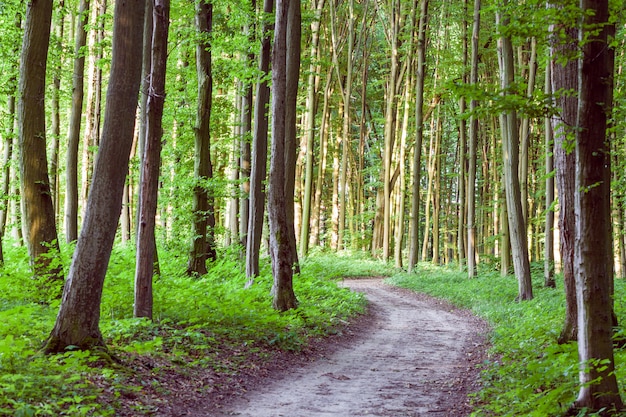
x: 548, y: 270
x: 310, y: 129
x: 564, y: 78
x: 71, y: 186
x: 472, y: 145
x: 39, y: 219
x: 203, y: 245
x: 284, y: 65
x: 148, y: 195
x: 77, y: 323
x: 593, y: 252
x: 259, y: 153
x: 510, y: 149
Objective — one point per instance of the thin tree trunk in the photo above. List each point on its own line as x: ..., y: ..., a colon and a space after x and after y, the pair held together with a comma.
x: 323, y: 150
x: 71, y: 181
x: 55, y: 116
x: 93, y: 106
x: 525, y: 132
x: 472, y: 147
x: 148, y: 195
x: 548, y: 262
x: 419, y: 134
x: 203, y: 246
x: 399, y: 235
x: 346, y: 128
x: 318, y: 6
x: 510, y: 148
x: 245, y: 150
x: 259, y: 155
x: 390, y: 123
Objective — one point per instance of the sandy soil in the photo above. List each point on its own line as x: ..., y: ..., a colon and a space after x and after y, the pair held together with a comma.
x: 412, y: 356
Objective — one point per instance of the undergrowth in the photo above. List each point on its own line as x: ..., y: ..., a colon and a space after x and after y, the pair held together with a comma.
x: 211, y: 322
x: 528, y: 373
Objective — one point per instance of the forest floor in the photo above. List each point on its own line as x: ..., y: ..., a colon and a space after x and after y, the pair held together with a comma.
x: 409, y: 355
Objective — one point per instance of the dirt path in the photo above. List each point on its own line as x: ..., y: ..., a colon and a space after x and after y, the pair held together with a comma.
x: 416, y: 356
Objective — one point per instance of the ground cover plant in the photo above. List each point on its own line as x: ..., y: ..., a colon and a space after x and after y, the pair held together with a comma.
x: 527, y: 373
x: 208, y: 333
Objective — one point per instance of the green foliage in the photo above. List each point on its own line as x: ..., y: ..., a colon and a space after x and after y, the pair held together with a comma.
x: 527, y: 372
x: 212, y: 322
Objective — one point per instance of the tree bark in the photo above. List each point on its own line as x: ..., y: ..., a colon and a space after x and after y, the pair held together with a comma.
x: 564, y: 78
x: 77, y: 323
x: 203, y: 245
x: 71, y: 179
x: 390, y: 122
x: 311, y: 110
x: 38, y: 211
x: 148, y: 195
x: 258, y: 172
x: 594, y: 280
x: 280, y: 232
x: 293, y: 45
x: 548, y: 261
x: 419, y: 135
x: 93, y: 107
x: 510, y: 149
x: 472, y: 148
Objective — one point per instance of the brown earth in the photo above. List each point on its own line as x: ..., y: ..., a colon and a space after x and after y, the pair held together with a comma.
x: 410, y: 355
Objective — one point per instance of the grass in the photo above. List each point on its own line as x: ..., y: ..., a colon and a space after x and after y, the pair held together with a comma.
x: 211, y: 324
x: 528, y: 373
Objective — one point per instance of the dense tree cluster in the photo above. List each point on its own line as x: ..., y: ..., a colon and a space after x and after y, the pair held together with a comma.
x: 417, y: 130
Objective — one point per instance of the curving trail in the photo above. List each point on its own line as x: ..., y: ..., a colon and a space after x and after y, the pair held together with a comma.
x: 417, y: 357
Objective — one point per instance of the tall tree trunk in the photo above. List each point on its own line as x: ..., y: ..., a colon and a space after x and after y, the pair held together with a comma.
x: 462, y: 180
x: 245, y: 150
x: 71, y: 180
x: 148, y: 194
x: 283, y: 68
x: 293, y: 45
x: 346, y: 128
x: 146, y: 65
x: 525, y: 132
x: 77, y: 323
x: 310, y: 129
x: 56, y: 110
x: 593, y: 254
x: 510, y: 149
x: 400, y: 199
x: 93, y: 106
x: 548, y: 261
x: 259, y: 155
x: 203, y: 246
x: 472, y: 147
x: 419, y: 135
x: 323, y: 157
x: 38, y: 211
x: 565, y: 78
x: 390, y: 121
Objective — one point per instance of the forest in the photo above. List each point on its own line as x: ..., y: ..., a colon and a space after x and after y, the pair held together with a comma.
x: 184, y: 183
